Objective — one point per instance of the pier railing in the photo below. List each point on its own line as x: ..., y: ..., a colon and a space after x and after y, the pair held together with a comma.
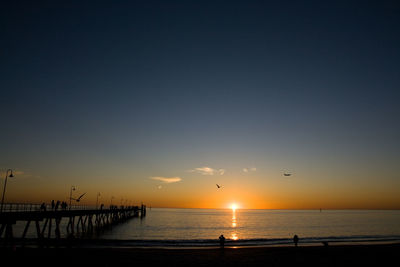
x: 14, y: 207
x: 27, y: 207
x: 20, y: 207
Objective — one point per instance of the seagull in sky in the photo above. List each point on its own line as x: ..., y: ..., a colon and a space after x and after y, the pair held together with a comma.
x: 287, y: 174
x: 218, y: 185
x: 79, y: 198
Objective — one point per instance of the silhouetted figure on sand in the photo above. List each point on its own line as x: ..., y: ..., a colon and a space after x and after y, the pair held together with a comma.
x: 221, y: 241
x: 295, y: 240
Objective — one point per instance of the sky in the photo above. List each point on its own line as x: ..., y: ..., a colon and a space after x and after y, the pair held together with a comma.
x: 159, y: 101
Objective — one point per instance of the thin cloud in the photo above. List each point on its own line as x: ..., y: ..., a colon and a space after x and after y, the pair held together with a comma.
x: 167, y: 180
x: 205, y: 170
x: 246, y: 170
x: 208, y: 171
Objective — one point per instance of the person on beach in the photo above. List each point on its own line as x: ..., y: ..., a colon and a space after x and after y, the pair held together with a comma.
x: 295, y: 240
x: 221, y: 241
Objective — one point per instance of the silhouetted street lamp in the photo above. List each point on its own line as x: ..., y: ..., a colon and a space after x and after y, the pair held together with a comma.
x: 70, y: 195
x: 5, y: 185
x: 97, y: 200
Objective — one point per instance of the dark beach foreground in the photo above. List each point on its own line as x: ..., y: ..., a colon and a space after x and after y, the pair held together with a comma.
x: 338, y: 255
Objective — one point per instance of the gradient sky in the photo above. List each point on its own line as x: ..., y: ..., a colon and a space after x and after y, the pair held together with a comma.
x: 157, y: 101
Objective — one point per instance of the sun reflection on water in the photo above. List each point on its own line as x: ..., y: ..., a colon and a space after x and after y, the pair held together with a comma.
x: 234, y: 236
x: 234, y: 224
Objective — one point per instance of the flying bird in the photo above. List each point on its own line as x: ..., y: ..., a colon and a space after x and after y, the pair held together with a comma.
x: 79, y: 198
x: 218, y: 185
x: 287, y: 174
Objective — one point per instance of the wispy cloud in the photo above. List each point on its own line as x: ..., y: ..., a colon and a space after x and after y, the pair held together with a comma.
x: 246, y: 170
x: 208, y: 171
x: 167, y: 180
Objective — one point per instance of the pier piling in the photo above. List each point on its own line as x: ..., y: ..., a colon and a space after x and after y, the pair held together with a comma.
x: 81, y: 222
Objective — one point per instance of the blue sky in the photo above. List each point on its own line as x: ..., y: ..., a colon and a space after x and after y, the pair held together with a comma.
x: 153, y: 89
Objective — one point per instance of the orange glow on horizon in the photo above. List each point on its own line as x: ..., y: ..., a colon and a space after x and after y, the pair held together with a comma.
x: 201, y: 193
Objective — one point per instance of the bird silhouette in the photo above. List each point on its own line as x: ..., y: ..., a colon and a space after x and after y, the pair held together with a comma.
x: 218, y: 185
x: 79, y: 198
x: 287, y: 174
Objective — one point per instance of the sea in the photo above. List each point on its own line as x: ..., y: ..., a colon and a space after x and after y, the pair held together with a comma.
x: 164, y: 227
x: 242, y: 227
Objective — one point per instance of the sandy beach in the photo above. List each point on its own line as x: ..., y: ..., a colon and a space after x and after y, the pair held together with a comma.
x: 337, y: 255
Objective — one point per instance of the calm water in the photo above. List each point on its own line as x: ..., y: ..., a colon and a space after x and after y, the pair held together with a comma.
x: 202, y: 227
x: 255, y: 227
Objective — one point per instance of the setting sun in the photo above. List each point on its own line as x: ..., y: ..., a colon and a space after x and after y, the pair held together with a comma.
x: 234, y: 206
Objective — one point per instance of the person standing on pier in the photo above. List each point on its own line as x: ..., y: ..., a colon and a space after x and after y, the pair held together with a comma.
x: 57, y: 204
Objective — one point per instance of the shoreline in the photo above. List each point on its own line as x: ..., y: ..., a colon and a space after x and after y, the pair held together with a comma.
x: 182, y: 244
x: 335, y: 255
x: 135, y: 244
x: 126, y: 245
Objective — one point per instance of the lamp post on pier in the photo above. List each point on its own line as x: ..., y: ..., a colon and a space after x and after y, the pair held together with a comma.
x: 4, y: 188
x: 97, y: 200
x: 73, y: 188
x: 111, y: 201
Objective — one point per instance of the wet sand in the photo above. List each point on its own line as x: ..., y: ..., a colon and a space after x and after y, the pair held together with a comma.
x: 337, y: 255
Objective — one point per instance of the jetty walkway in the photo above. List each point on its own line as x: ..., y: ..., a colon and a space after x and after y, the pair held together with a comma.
x: 65, y: 223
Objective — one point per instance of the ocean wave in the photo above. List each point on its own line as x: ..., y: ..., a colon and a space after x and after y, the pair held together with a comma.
x: 245, y: 242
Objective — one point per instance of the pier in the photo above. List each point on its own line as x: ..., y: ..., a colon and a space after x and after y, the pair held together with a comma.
x: 48, y: 225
